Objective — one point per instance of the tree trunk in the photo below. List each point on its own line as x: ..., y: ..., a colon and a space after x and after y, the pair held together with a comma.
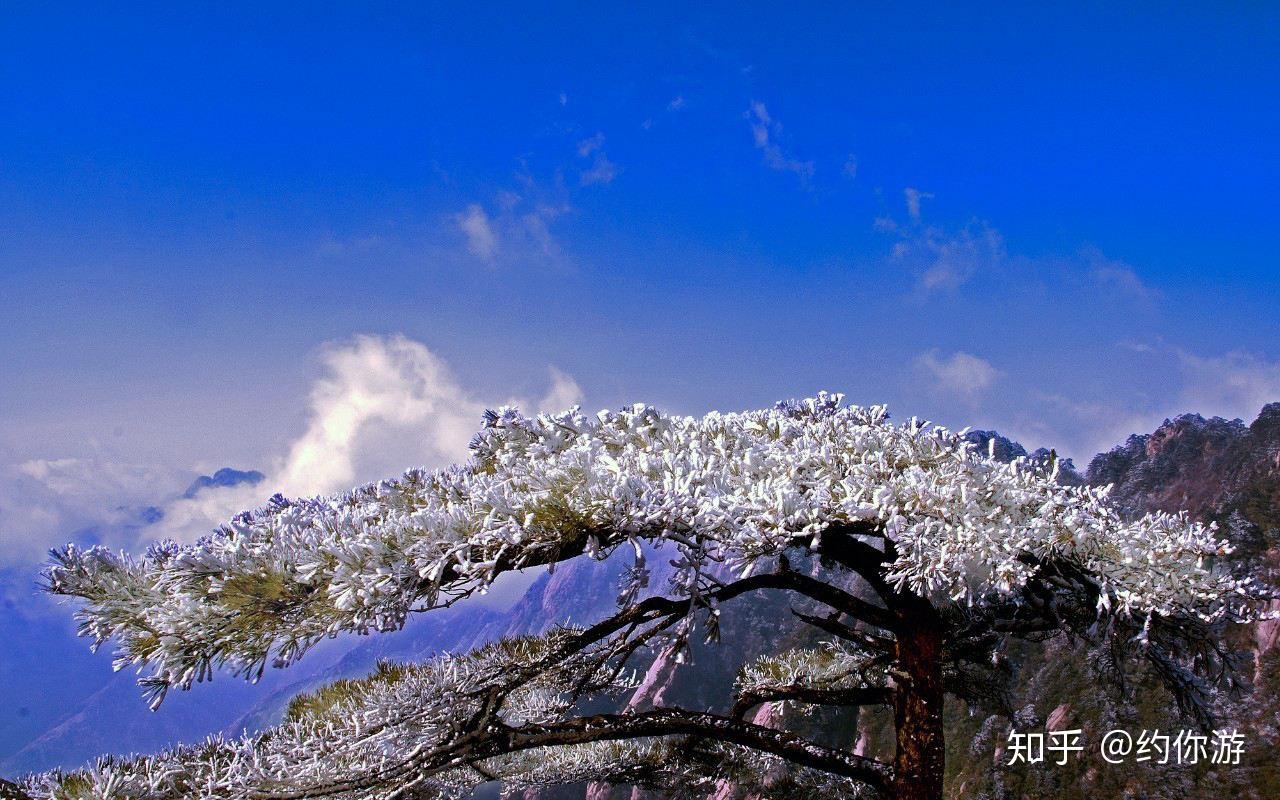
x: 917, y: 705
x: 9, y: 791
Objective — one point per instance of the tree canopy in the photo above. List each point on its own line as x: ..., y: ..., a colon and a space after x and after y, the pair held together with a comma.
x: 916, y: 556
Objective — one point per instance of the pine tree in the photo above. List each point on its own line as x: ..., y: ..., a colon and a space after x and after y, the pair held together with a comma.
x: 925, y: 558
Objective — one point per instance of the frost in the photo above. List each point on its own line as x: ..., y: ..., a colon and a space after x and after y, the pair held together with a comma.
x: 727, y: 488
x: 729, y: 492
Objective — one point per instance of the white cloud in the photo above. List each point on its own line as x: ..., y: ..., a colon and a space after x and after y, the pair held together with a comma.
x: 1232, y: 385
x: 43, y: 502
x: 961, y: 374
x: 390, y: 380
x: 475, y: 224
x: 944, y: 257
x: 534, y: 229
x: 1117, y: 276
x: 589, y: 145
x: 563, y: 394
x: 381, y: 405
x: 758, y: 114
x: 676, y: 103
x: 602, y: 171
x: 851, y: 166
x: 1079, y: 427
x: 766, y: 131
x: 399, y: 384
x: 520, y: 232
x: 1235, y: 384
x: 944, y: 260
x: 188, y: 518
x: 913, y: 197
x: 940, y: 257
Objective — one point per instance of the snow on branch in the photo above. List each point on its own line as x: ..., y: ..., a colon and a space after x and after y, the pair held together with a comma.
x: 727, y: 490
x: 832, y: 666
x: 684, y: 769
x: 404, y: 725
x: 831, y: 674
x: 441, y: 728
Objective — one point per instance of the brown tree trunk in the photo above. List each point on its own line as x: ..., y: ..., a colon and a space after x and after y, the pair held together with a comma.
x: 917, y: 705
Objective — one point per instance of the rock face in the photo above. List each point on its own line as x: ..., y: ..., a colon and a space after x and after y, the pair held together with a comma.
x: 1204, y: 466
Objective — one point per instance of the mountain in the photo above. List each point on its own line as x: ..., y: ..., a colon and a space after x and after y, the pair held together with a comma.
x: 110, y: 717
x: 223, y: 479
x: 1208, y: 467
x: 998, y: 447
x: 576, y: 592
x: 65, y: 705
x: 44, y: 670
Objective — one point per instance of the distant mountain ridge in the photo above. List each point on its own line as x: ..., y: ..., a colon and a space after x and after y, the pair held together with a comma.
x: 224, y: 478
x: 82, y: 708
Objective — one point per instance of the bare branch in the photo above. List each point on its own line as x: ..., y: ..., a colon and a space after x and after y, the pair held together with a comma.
x: 868, y: 696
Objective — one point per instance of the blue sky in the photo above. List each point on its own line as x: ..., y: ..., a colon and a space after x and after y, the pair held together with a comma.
x: 1058, y: 223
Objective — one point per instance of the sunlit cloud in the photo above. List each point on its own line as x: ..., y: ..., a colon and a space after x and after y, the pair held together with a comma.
x: 960, y: 375
x: 381, y: 405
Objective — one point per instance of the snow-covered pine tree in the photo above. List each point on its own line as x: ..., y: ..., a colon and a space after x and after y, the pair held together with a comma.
x: 925, y: 557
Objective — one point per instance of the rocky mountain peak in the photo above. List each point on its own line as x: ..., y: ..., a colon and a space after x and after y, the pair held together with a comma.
x: 1191, y: 463
x: 1006, y: 450
x: 223, y: 478
x: 1267, y: 426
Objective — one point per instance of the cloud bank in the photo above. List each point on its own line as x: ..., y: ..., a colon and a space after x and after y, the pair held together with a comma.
x: 382, y: 404
x: 961, y: 375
